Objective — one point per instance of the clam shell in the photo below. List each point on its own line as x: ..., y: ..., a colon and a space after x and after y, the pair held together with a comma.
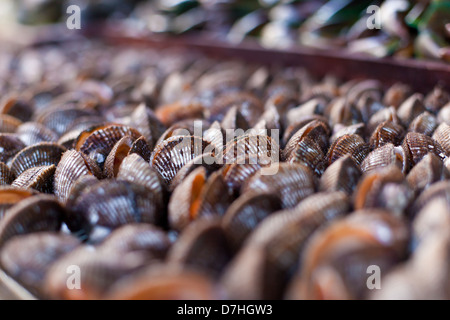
x: 145, y: 238
x: 69, y: 169
x: 9, y: 124
x: 141, y: 148
x: 442, y: 136
x: 162, y: 284
x: 6, y: 177
x: 97, y: 144
x: 111, y: 204
x: 147, y: 123
x: 424, y: 123
x: 309, y: 153
x: 171, y: 155
x: 10, y: 196
x: 291, y: 182
x: 59, y: 120
x: 261, y: 268
x: 17, y: 107
x: 236, y: 174
x: 10, y: 145
x: 387, y: 132
x: 39, y: 178
x: 36, y: 214
x: 352, y: 145
x: 342, y: 252
x: 41, y: 154
x: 436, y: 99
x: 245, y: 214
x: 388, y: 114
x: 179, y: 110
x: 438, y: 190
x: 434, y: 218
x: 27, y: 258
x: 115, y: 157
x: 417, y: 145
x: 396, y: 94
x: 385, y: 156
x: 234, y: 119
x: 428, y: 171
x: 411, y: 108
x: 202, y: 246
x: 254, y: 146
x: 32, y: 133
x: 343, y: 175
x: 340, y: 130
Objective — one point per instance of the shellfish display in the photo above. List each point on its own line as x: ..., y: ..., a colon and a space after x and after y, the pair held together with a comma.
x: 163, y: 174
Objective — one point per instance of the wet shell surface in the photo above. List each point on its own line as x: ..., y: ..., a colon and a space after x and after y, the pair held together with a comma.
x: 39, y: 178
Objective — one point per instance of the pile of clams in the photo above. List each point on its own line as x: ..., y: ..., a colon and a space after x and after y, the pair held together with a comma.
x: 120, y: 179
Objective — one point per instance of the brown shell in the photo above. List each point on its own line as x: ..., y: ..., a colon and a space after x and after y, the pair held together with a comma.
x: 136, y: 170
x: 10, y: 196
x: 180, y: 110
x: 9, y: 124
x: 41, y: 154
x: 443, y: 116
x: 17, y: 107
x: 10, y: 145
x: 315, y: 130
x: 343, y: 175
x: 69, y: 169
x: 33, y: 132
x: 234, y: 119
x: 254, y: 146
x: 269, y: 120
x: 115, y: 157
x: 291, y: 182
x: 383, y: 188
x: 6, y: 176
x: 424, y: 123
x: 236, y: 174
x: 36, y: 214
x: 171, y: 155
x: 341, y: 111
x: 385, y: 156
x: 38, y: 178
x: 113, y: 203
x: 299, y: 124
x: 428, y: 171
x: 244, y: 215
x: 438, y: 190
x: 147, y: 123
x: 352, y: 145
x: 98, y: 143
x: 141, y: 148
x: 309, y: 108
x: 248, y: 105
x: 341, y: 130
x: 387, y: 114
x: 411, y: 108
x: 396, y: 94
x: 27, y: 258
x: 387, y: 132
x: 138, y: 237
x: 309, y: 153
x: 417, y: 145
x: 202, y: 246
x: 442, y: 136
x: 59, y: 120
x: 354, y: 242
x: 436, y: 99
x: 161, y: 284
x: 272, y: 251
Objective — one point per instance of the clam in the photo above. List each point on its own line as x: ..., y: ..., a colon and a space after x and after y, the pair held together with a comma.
x: 442, y: 136
x: 261, y: 269
x: 253, y: 146
x: 434, y: 218
x: 234, y: 120
x: 436, y: 99
x: 388, y: 114
x: 17, y: 107
x: 39, y: 178
x: 147, y: 123
x: 202, y: 246
x: 341, y: 130
x: 10, y: 145
x: 69, y: 169
x: 27, y: 258
x: 396, y: 94
x: 428, y: 171
x: 9, y: 196
x: 111, y: 204
x: 383, y: 188
x: 387, y: 132
x: 385, y: 156
x: 115, y: 157
x: 36, y: 214
x: 424, y: 123
x: 291, y: 182
x: 337, y: 259
x: 411, y: 108
x: 8, y: 124
x: 41, y: 154
x: 244, y: 215
x: 342, y: 175
x: 417, y: 145
x: 352, y: 145
x: 141, y: 148
x: 6, y: 177
x: 179, y: 110
x: 198, y: 196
